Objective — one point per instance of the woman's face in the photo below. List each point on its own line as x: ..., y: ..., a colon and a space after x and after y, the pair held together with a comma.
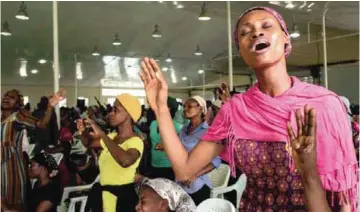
x: 34, y: 169
x: 150, y: 201
x: 261, y: 39
x: 118, y: 115
x: 10, y: 100
x: 192, y: 109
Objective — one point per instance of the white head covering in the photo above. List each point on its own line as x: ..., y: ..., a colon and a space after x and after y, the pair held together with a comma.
x: 201, y: 101
x: 178, y: 199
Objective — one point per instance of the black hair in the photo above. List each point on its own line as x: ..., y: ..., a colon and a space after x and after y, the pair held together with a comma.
x: 46, y: 160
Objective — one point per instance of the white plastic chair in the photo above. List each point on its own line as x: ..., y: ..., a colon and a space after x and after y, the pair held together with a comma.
x: 216, y: 205
x: 62, y: 207
x: 220, y: 177
x: 239, y: 187
x: 75, y: 200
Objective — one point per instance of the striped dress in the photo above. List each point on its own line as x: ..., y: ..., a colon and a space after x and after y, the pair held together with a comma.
x: 13, y: 169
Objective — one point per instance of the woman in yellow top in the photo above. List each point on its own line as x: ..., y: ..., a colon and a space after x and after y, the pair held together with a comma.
x: 119, y: 159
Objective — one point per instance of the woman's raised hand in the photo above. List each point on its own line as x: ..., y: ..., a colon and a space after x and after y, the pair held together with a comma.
x: 304, y: 144
x: 156, y: 87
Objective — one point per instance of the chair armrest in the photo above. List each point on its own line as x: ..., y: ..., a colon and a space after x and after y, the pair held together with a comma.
x: 216, y: 191
x: 74, y: 200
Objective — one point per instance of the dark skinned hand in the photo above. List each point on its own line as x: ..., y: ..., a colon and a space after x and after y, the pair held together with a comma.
x: 303, y: 146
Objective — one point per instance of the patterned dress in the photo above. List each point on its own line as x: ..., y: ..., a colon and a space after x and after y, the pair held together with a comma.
x: 270, y: 184
x: 13, y: 171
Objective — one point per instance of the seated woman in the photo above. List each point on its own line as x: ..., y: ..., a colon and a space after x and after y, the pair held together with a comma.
x: 119, y: 158
x: 163, y: 195
x: 46, y: 194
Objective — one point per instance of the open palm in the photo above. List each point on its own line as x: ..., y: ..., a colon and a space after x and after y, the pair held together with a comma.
x: 156, y: 87
x: 304, y: 144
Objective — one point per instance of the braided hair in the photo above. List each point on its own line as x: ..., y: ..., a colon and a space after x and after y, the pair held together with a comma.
x: 46, y: 160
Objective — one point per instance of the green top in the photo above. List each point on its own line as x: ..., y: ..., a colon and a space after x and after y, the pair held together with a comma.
x: 159, y: 158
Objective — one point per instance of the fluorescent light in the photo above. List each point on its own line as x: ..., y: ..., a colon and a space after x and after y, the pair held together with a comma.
x: 311, y: 4
x: 308, y: 10
x: 22, y: 13
x: 22, y: 70
x: 290, y: 5
x: 203, y: 14
x: 197, y: 51
x: 95, y: 52
x: 34, y: 71
x: 156, y: 33
x: 201, y: 71
x: 303, y: 5
x: 165, y: 69
x: 42, y: 61
x: 79, y: 73
x: 5, y: 29
x: 116, y: 41
x: 295, y: 33
x: 179, y: 6
x: 175, y: 2
x: 274, y: 2
x: 184, y: 78
x: 168, y: 59
x: 173, y: 75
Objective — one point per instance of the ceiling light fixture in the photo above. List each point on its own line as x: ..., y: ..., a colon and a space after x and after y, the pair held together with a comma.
x: 308, y: 10
x: 156, y: 33
x: 22, y: 13
x: 42, y: 61
x: 168, y: 59
x: 175, y: 3
x: 165, y: 69
x: 179, y: 6
x: 311, y: 4
x: 95, y: 52
x: 201, y: 71
x: 289, y: 5
x: 198, y: 52
x: 274, y: 2
x: 303, y: 5
x: 5, y: 29
x: 203, y: 14
x: 184, y: 78
x: 116, y: 41
x: 34, y: 71
x: 295, y: 32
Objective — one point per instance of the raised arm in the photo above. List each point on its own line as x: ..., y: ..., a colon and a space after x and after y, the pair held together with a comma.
x: 124, y: 158
x: 184, y: 164
x: 304, y: 152
x: 53, y: 101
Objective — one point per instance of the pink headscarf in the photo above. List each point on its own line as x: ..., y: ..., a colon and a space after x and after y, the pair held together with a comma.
x: 281, y: 21
x: 255, y: 116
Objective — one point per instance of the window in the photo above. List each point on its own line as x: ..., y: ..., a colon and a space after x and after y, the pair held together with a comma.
x: 116, y: 92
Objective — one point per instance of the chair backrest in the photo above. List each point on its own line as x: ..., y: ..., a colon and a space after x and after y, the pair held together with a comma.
x: 216, y: 205
x: 220, y: 177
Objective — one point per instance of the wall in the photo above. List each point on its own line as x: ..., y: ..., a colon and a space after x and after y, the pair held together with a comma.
x: 345, y: 82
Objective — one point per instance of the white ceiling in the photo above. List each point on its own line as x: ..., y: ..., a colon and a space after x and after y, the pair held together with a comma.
x: 82, y: 25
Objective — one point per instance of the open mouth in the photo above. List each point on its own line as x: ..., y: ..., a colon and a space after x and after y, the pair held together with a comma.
x: 260, y: 45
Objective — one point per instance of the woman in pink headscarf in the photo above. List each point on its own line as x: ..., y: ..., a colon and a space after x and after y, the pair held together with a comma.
x: 256, y: 127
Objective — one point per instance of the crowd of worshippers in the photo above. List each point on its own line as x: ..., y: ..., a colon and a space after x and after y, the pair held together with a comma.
x: 294, y: 141
x: 130, y: 126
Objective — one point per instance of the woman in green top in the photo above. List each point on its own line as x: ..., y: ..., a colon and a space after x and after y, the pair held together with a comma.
x: 161, y: 166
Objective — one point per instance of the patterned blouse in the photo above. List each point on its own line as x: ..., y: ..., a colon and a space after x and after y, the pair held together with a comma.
x: 13, y: 170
